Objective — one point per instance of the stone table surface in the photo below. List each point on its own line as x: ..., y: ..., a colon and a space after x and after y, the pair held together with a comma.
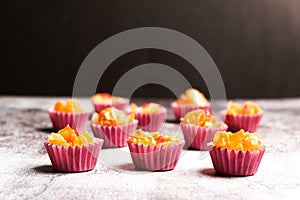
x: 26, y: 171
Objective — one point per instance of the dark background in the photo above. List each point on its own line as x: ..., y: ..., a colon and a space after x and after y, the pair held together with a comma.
x: 255, y: 43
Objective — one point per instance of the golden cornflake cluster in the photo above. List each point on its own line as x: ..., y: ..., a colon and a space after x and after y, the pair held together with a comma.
x: 69, y: 106
x: 152, y: 138
x: 239, y: 141
x: 192, y: 97
x: 203, y: 118
x: 249, y: 108
x: 112, y: 117
x: 70, y: 137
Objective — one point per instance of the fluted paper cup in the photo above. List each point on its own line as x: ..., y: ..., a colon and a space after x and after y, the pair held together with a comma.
x: 155, y: 158
x: 62, y: 119
x: 236, y: 163
x: 114, y: 136
x: 74, y: 158
x: 121, y: 106
x: 197, y: 137
x: 151, y: 122
x: 237, y: 122
x: 180, y: 110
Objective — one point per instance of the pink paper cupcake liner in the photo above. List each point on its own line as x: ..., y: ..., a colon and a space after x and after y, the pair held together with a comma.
x: 182, y: 110
x: 62, y: 119
x: 197, y: 137
x: 74, y: 158
x: 151, y: 122
x: 236, y: 163
x: 235, y: 123
x: 155, y: 158
x: 121, y: 106
x: 114, y: 136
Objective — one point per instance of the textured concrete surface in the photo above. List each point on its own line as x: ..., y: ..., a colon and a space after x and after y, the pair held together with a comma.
x: 26, y: 172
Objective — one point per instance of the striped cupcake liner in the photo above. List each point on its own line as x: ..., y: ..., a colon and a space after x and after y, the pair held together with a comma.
x: 62, y: 119
x: 182, y: 110
x: 155, y: 158
x: 121, y: 106
x: 74, y: 158
x: 114, y: 136
x: 197, y: 137
x: 236, y: 163
x: 151, y: 122
x: 235, y: 123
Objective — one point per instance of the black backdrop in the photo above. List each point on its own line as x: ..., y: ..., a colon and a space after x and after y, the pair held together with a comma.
x: 255, y: 44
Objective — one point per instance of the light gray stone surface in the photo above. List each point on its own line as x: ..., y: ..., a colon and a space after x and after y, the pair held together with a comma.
x: 26, y: 172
